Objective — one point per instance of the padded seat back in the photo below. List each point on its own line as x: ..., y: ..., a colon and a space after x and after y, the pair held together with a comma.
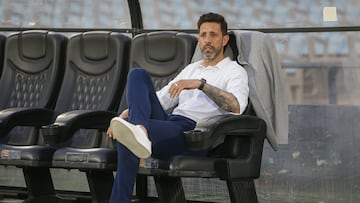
x: 33, y: 69
x: 163, y: 54
x: 96, y: 69
x: 32, y: 75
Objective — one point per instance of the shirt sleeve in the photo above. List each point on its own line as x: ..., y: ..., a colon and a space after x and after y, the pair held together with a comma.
x: 239, y: 87
x: 163, y: 94
x: 165, y: 100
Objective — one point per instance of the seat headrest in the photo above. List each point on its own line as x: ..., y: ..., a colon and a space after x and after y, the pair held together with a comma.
x: 95, y: 45
x: 33, y: 44
x: 162, y: 53
x: 161, y: 48
x: 96, y: 52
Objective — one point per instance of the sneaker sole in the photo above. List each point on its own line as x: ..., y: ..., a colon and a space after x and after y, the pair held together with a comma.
x: 123, y: 133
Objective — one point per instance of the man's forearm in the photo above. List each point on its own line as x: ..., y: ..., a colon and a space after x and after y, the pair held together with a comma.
x: 223, y: 99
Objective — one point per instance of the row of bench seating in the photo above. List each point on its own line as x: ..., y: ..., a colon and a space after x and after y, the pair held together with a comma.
x: 59, y: 93
x: 45, y: 74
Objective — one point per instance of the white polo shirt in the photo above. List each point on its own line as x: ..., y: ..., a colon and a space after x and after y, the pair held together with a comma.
x: 194, y: 104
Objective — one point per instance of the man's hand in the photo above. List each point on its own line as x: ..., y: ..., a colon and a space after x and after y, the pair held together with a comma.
x: 181, y: 85
x: 124, y: 114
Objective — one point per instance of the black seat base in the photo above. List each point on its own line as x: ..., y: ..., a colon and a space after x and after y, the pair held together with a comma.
x: 240, y: 191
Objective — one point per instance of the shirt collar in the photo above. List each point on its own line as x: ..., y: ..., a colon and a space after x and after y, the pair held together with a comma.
x: 218, y: 65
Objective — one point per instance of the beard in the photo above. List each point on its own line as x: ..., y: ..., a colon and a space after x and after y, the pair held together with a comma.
x: 210, y: 52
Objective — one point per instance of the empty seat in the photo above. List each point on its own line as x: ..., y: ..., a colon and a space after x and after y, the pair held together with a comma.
x: 95, y: 74
x: 98, y: 66
x: 32, y: 75
x: 30, y: 82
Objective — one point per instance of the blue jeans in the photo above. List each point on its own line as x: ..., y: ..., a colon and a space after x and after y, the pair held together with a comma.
x: 165, y: 131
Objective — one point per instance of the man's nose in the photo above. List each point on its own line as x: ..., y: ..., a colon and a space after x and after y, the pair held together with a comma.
x: 207, y: 40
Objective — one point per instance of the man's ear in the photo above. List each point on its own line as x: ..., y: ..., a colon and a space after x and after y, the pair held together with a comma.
x: 225, y: 40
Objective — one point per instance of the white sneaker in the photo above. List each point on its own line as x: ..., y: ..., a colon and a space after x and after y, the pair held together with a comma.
x: 131, y: 136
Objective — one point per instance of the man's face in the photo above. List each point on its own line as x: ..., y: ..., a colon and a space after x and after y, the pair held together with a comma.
x: 211, y: 40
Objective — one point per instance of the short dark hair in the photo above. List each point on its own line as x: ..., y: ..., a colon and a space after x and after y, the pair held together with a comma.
x: 214, y: 17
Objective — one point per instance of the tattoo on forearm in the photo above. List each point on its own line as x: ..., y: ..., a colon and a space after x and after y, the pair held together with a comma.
x: 223, y: 99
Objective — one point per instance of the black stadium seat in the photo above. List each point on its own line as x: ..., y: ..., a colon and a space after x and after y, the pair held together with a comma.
x: 163, y: 55
x: 94, y: 79
x: 30, y: 82
x: 32, y: 75
x: 237, y: 160
x: 98, y: 89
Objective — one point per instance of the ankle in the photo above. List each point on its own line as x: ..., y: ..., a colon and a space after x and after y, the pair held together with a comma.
x: 143, y: 128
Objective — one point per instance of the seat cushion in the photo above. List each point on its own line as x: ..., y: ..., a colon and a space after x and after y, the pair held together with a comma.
x: 96, y: 158
x: 33, y: 155
x: 183, y: 166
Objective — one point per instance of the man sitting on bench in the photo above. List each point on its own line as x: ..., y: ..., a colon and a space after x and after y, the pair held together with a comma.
x: 213, y: 86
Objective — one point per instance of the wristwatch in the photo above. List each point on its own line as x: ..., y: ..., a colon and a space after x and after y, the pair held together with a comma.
x: 203, y: 82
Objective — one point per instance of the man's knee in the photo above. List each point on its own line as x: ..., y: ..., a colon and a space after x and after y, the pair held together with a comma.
x: 138, y: 73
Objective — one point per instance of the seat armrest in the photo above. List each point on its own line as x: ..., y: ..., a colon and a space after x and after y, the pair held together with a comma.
x: 208, y: 136
x: 66, y: 124
x: 244, y: 135
x: 247, y: 166
x: 21, y: 116
x: 210, y: 122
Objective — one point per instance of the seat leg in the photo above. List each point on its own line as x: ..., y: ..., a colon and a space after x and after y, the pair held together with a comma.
x: 141, y: 186
x: 100, y: 185
x: 38, y: 181
x: 169, y: 189
x: 242, y: 191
